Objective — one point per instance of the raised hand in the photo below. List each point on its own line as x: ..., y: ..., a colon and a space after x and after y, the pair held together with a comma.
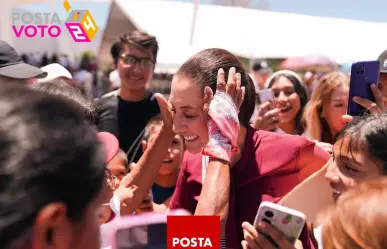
x: 254, y: 238
x: 373, y: 107
x: 125, y: 193
x: 267, y: 118
x: 232, y: 88
x: 166, y: 112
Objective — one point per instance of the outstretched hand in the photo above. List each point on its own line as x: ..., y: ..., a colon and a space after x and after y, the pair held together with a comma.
x: 166, y: 112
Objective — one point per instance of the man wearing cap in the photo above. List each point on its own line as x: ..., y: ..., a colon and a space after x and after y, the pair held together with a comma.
x: 260, y: 73
x: 383, y: 75
x: 13, y: 68
x: 54, y: 71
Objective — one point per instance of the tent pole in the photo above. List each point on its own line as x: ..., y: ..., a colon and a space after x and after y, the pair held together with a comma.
x: 196, y: 5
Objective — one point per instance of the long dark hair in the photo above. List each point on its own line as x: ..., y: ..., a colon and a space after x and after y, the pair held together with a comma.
x: 48, y: 153
x: 301, y: 91
x: 367, y: 133
x: 68, y: 90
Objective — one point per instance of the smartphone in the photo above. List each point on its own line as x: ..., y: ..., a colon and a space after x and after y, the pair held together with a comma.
x: 266, y: 95
x: 144, y: 231
x: 288, y: 221
x: 363, y: 74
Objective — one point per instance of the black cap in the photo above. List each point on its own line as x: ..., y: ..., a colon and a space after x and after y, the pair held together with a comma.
x: 383, y: 62
x: 261, y: 67
x: 12, y: 65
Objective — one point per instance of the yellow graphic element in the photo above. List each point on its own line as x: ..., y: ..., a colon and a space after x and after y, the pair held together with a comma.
x: 75, y: 17
x: 66, y: 5
x: 89, y: 25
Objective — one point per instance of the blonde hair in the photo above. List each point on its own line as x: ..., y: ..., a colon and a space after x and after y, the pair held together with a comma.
x: 359, y: 219
x: 316, y: 126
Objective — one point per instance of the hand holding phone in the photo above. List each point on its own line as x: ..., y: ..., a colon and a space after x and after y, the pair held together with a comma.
x: 288, y: 222
x: 363, y: 75
x: 146, y: 231
x: 266, y: 95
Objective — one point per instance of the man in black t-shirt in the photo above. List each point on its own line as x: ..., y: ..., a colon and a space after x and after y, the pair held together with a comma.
x: 126, y: 112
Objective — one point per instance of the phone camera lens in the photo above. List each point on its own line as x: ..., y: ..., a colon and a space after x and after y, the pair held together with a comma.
x: 266, y: 221
x: 269, y: 214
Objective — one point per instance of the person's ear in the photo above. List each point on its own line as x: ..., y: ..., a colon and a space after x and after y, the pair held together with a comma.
x: 144, y: 145
x: 52, y: 229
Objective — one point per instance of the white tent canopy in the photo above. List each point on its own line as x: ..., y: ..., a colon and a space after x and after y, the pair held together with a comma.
x: 245, y: 32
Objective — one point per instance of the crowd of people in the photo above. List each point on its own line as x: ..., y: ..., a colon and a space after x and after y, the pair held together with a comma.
x: 72, y: 161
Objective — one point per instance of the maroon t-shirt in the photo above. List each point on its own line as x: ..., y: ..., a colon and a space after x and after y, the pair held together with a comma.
x: 270, y: 166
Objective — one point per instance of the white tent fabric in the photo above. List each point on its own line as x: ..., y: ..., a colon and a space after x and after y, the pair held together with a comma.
x: 246, y: 32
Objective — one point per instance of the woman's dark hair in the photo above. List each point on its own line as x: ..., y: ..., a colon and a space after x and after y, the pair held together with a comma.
x: 48, y: 153
x: 302, y: 92
x: 68, y: 90
x: 202, y: 68
x: 367, y: 133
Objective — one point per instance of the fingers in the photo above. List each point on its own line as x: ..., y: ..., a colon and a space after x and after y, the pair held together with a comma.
x: 165, y: 110
x: 132, y: 165
x: 231, y: 82
x: 208, y: 96
x: 241, y: 96
x: 220, y: 82
x: 298, y: 244
x: 245, y: 245
x: 265, y: 107
x: 250, y: 229
x: 276, y: 236
x: 378, y: 96
x: 250, y: 235
x: 347, y: 118
x: 238, y: 90
x: 163, y: 104
x: 367, y: 104
x: 272, y: 115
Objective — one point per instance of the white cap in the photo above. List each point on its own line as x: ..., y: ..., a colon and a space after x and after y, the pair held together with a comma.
x: 114, y: 77
x: 54, y: 71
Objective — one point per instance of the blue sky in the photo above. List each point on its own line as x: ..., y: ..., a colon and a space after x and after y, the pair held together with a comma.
x: 367, y: 10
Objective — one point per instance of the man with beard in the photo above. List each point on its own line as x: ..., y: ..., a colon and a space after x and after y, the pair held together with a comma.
x: 126, y: 112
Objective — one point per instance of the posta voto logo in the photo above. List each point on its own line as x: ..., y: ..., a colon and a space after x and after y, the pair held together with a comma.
x: 80, y: 24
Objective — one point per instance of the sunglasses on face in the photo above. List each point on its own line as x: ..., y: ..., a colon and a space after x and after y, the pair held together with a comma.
x: 133, y: 61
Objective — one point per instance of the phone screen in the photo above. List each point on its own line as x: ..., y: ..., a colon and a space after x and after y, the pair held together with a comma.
x: 143, y: 237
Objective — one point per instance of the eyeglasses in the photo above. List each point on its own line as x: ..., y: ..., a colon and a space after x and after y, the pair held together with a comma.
x: 110, y: 179
x: 133, y: 61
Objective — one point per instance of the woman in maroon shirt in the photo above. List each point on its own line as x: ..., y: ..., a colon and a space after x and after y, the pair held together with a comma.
x: 266, y: 166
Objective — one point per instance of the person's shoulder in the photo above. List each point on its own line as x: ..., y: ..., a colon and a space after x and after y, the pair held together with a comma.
x: 281, y: 139
x: 107, y: 97
x: 192, y: 163
x: 270, y: 144
x: 106, y: 102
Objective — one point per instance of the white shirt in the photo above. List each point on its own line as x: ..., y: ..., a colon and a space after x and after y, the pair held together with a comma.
x: 114, y: 77
x: 318, y: 236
